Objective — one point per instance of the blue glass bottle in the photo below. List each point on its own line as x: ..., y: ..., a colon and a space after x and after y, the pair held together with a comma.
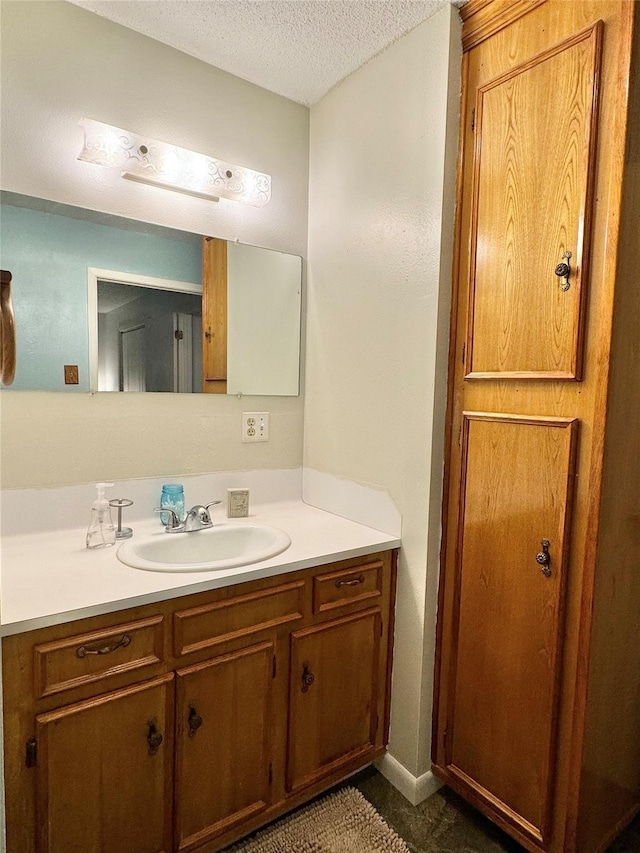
x: 172, y: 497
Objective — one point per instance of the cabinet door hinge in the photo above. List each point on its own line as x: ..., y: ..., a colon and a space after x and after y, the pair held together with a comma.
x: 464, y: 350
x: 274, y: 666
x: 381, y: 627
x: 31, y: 757
x: 178, y: 335
x: 376, y: 725
x: 270, y: 774
x: 473, y: 119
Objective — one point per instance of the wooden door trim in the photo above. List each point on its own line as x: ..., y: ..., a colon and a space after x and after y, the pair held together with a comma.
x: 195, y: 842
x: 452, y: 403
x: 181, y: 618
x: 245, y: 651
x: 512, y: 818
x: 572, y: 424
x: 104, y: 699
x: 388, y: 652
x: 484, y: 18
x: 625, y: 123
x: 582, y: 249
x: 517, y: 375
x: 533, y: 420
x: 495, y: 812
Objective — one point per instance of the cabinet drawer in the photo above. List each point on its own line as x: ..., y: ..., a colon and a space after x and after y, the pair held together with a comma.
x: 211, y: 624
x: 358, y: 583
x: 84, y: 658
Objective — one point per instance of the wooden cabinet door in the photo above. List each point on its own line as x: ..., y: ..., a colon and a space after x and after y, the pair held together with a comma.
x: 533, y: 172
x: 517, y: 476
x: 333, y: 692
x: 223, y: 742
x: 104, y: 772
x: 214, y: 315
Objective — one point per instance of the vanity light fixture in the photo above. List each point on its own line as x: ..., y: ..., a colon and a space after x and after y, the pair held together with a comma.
x: 149, y: 161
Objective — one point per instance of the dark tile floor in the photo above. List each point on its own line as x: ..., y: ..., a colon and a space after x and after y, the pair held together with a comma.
x: 445, y: 823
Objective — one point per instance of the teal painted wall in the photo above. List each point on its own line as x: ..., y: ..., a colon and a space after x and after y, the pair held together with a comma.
x: 48, y: 255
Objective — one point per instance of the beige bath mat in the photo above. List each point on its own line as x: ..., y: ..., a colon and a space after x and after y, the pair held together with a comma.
x: 344, y: 822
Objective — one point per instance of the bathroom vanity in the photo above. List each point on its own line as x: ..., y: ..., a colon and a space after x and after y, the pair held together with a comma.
x: 184, y: 723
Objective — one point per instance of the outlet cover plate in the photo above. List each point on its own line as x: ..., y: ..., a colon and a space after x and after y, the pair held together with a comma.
x: 255, y: 426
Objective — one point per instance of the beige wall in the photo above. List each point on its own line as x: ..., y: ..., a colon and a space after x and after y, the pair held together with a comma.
x: 382, y: 167
x: 58, y: 63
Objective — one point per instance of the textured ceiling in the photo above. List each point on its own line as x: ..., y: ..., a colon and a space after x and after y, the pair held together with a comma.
x: 297, y: 48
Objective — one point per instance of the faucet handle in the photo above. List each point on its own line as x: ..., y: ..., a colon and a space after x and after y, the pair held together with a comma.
x: 174, y: 521
x: 213, y: 503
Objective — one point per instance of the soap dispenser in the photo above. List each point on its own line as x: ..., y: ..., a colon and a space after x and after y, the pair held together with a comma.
x: 101, y: 532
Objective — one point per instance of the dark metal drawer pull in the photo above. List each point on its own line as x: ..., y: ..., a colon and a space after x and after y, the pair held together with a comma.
x: 354, y: 582
x: 83, y: 651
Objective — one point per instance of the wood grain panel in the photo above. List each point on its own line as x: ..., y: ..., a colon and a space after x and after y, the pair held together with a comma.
x: 484, y: 18
x: 222, y: 768
x: 335, y: 718
x: 98, y: 787
x: 534, y: 162
x: 208, y: 625
x: 609, y: 793
x: 517, y: 479
x: 85, y: 658
x: 214, y: 315
x: 612, y: 732
x: 354, y: 586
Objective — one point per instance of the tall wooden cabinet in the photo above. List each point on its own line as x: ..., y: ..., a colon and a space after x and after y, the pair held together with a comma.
x: 537, y: 708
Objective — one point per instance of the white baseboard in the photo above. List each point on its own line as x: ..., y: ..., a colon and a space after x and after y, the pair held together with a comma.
x: 414, y: 788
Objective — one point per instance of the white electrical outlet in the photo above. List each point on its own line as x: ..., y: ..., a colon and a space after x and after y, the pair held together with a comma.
x: 255, y: 426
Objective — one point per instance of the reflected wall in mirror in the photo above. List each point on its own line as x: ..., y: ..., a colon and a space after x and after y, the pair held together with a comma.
x: 145, y: 334
x: 119, y: 301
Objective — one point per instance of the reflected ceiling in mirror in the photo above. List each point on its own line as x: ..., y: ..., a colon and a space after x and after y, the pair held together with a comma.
x: 242, y: 336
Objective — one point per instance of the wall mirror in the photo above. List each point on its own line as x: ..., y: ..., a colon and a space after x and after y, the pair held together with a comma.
x: 104, y: 303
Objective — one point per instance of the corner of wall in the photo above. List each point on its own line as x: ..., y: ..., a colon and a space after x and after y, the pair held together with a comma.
x: 413, y: 788
x: 364, y: 504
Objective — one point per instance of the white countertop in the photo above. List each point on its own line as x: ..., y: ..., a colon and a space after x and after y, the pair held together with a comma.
x: 50, y: 578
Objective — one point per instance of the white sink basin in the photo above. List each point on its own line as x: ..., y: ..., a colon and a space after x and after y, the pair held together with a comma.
x: 223, y: 546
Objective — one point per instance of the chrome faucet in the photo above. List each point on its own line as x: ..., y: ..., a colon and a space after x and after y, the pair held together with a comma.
x: 197, y: 518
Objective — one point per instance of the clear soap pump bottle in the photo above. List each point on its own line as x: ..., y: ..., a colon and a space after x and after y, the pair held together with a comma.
x: 101, y: 532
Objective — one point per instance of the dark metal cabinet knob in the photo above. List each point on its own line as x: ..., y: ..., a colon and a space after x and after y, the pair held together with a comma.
x: 194, y: 721
x: 563, y: 271
x: 154, y: 738
x: 307, y: 676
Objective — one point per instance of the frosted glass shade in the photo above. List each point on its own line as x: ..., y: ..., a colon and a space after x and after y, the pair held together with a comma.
x: 152, y: 162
